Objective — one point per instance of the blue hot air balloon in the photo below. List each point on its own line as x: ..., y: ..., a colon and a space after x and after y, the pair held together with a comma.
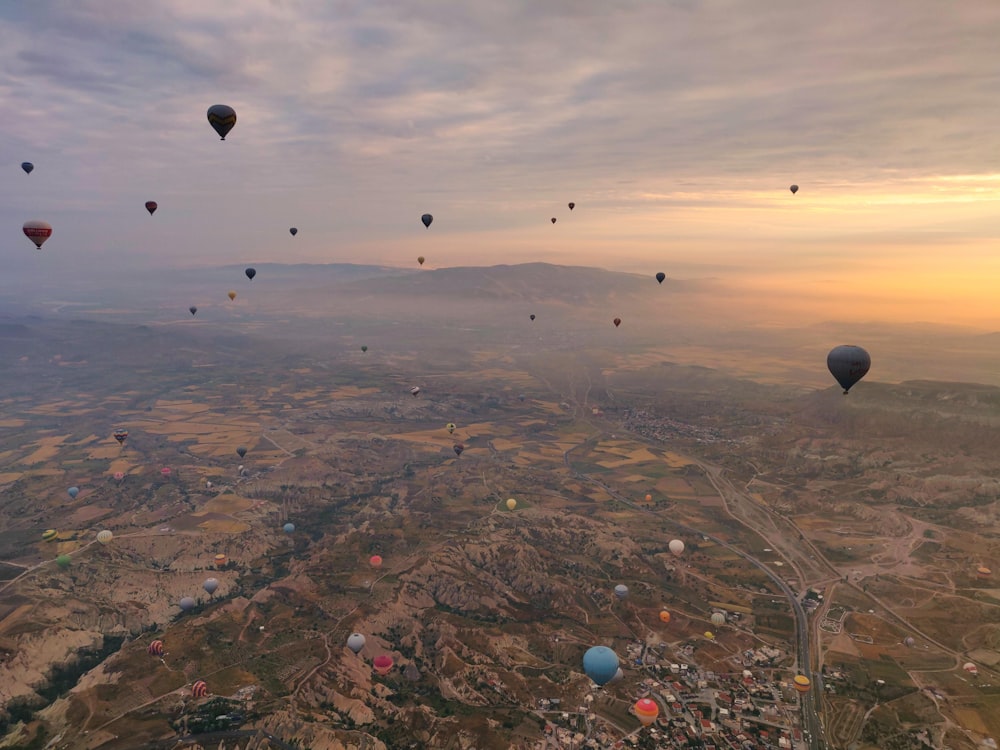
x: 289, y: 528
x: 73, y: 492
x: 600, y: 663
x: 27, y: 166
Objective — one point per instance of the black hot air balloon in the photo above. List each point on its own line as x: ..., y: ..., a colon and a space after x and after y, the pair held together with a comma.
x: 151, y: 207
x: 293, y: 231
x: 532, y: 316
x: 572, y: 206
x: 222, y: 118
x: 553, y: 219
x: 794, y: 189
x: 617, y: 322
x: 241, y: 451
x: 251, y: 272
x: 660, y: 277
x: 458, y: 448
x: 848, y: 364
x: 427, y: 219
x: 192, y: 309
x: 27, y: 166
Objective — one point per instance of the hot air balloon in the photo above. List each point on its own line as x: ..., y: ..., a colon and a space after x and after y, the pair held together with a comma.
x: 251, y: 272
x: 553, y: 219
x: 649, y: 498
x: 199, y: 689
x: 617, y: 322
x: 121, y: 436
x: 232, y: 295
x: 801, y: 683
x: 220, y: 559
x: 718, y: 619
x: 241, y: 451
x: 363, y: 348
x: 155, y: 648
x: 222, y: 118
x: 970, y: 668
x: 105, y: 536
x: 119, y: 476
x: 511, y: 503
x: 73, y: 492
x: 375, y: 561
x: 63, y: 561
x: 151, y: 207
x: 619, y: 675
x: 187, y: 604
x: 909, y: 641
x: 210, y: 585
x: 660, y: 276
x: 848, y: 364
x: 600, y: 663
x: 192, y: 309
x: 664, y: 616
x: 676, y: 546
x: 794, y: 189
x: 165, y: 472
x: 355, y: 642
x: 288, y: 528
x: 451, y: 427
x: 420, y: 259
x: 983, y: 572
x: 49, y: 534
x: 37, y: 231
x: 532, y: 316
x: 27, y: 166
x: 572, y: 206
x: 415, y: 390
x: 293, y: 231
x: 458, y: 448
x: 427, y: 219
x: 710, y: 635
x: 646, y: 710
x: 521, y: 397
x: 383, y: 664
x: 621, y: 590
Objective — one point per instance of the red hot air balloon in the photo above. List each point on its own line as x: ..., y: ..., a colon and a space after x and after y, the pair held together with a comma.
x: 37, y: 231
x: 155, y: 648
x: 375, y: 561
x: 121, y: 436
x: 383, y: 664
x: 165, y: 471
x: 199, y: 689
x: 617, y: 322
x: 151, y: 207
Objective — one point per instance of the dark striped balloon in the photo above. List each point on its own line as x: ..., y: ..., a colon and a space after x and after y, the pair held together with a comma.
x: 222, y: 118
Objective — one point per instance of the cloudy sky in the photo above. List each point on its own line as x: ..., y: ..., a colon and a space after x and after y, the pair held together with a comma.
x: 676, y: 126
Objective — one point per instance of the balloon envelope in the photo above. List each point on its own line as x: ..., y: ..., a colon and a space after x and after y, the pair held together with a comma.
x: 553, y: 219
x: 621, y: 590
x: 232, y: 295
x: 27, y: 166
x: 848, y: 364
x: 73, y: 492
x: 617, y: 322
x: 427, y: 219
x: 572, y: 206
x: 288, y: 528
x: 210, y: 585
x: 420, y: 259
x: 355, y: 642
x: 187, y: 604
x: 660, y: 277
x: 646, y: 710
x: 119, y: 475
x: 458, y: 448
x: 192, y: 309
x: 222, y: 118
x: 241, y: 451
x: 600, y: 663
x: 532, y: 316
x: 511, y: 503
x: 251, y: 272
x: 37, y: 231
x: 293, y: 231
x: 383, y: 664
x: 364, y: 349
x: 375, y: 561
x: 718, y: 619
x: 664, y: 617
x: 151, y: 207
x: 676, y: 546
x: 794, y: 189
x: 105, y: 536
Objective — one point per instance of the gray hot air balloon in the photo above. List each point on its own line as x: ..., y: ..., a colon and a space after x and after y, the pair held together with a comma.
x: 621, y: 590
x: 355, y: 642
x: 427, y: 219
x: 210, y: 585
x: 187, y: 603
x: 222, y: 118
x: 848, y: 364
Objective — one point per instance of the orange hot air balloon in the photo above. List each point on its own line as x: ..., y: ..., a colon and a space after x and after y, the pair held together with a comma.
x: 220, y: 559
x: 647, y: 711
x: 375, y: 561
x: 649, y: 498
x: 232, y: 295
x: 617, y: 322
x: 801, y: 683
x: 664, y: 617
x: 199, y: 689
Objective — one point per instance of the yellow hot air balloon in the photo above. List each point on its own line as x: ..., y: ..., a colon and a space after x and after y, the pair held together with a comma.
x: 511, y: 503
x: 801, y: 683
x: 232, y: 295
x: 710, y: 635
x: 49, y: 534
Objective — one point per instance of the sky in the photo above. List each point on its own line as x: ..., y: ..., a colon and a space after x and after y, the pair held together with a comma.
x: 676, y: 127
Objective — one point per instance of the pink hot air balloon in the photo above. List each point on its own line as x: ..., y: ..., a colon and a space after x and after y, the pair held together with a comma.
x: 119, y: 476
x: 165, y: 471
x: 375, y: 561
x: 383, y: 664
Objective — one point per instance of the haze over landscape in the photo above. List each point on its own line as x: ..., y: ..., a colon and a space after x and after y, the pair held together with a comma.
x: 490, y: 335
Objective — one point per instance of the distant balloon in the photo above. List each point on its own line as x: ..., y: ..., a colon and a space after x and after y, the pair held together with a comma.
x: 794, y: 189
x: 199, y: 689
x: 617, y: 322
x: 427, y: 219
x: 718, y: 619
x: 49, y: 534
x: 151, y: 207
x: 63, y: 561
x: 383, y: 664
x: 293, y: 231
x: 121, y: 436
x: 600, y: 663
x: 646, y: 710
x: 649, y: 498
x: 619, y: 676
x: 155, y: 648
x: 232, y: 295
x: 27, y: 166
x: 105, y: 536
x: 801, y: 683
x: 375, y: 561
x: 187, y: 604
x: 37, y: 231
x: 165, y: 472
x: 660, y: 277
x: 73, y: 492
x: 458, y: 448
x: 621, y: 591
x: 450, y: 427
x: 521, y: 397
x: 251, y: 272
x: 210, y: 585
x: 288, y: 528
x: 710, y: 635
x: 363, y: 348
x: 676, y: 546
x: 572, y: 206
x: 119, y: 476
x: 532, y: 316
x: 420, y: 259
x: 355, y: 642
x: 241, y: 451
x: 553, y: 219
x: 848, y: 364
x: 192, y: 309
x: 220, y: 560
x: 222, y: 118
x: 415, y: 390
x: 909, y: 641
x: 511, y: 503
x: 664, y: 616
